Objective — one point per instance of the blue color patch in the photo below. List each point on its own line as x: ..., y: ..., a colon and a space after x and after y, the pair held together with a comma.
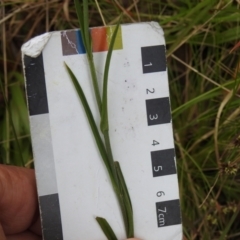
x: 80, y: 46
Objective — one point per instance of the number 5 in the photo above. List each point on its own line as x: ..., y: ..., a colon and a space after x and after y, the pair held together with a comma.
x: 157, y: 169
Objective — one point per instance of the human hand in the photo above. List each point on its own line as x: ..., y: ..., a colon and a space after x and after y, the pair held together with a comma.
x: 19, y: 218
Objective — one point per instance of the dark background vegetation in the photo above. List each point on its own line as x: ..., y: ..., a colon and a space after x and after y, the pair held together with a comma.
x: 203, y: 40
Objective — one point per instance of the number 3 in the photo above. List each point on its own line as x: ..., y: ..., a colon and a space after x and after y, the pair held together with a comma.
x: 153, y: 117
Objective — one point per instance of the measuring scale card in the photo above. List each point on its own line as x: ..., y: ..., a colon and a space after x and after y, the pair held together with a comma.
x: 73, y: 184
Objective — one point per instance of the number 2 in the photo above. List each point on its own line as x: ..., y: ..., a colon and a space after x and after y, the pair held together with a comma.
x: 153, y: 91
x: 155, y: 142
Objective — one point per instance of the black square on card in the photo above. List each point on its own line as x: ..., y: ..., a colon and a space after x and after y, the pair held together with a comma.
x: 163, y: 162
x: 153, y: 59
x: 51, y: 217
x: 158, y: 111
x: 168, y: 213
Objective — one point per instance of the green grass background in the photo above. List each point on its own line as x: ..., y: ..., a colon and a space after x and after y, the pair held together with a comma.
x: 204, y: 73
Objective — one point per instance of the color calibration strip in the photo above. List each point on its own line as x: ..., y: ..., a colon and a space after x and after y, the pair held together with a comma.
x: 72, y: 42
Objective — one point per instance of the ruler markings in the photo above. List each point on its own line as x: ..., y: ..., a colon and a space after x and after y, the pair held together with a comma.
x: 42, y: 148
x: 36, y: 86
x: 159, y: 112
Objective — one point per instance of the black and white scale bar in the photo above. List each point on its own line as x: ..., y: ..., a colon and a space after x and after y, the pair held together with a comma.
x: 36, y: 86
x: 42, y: 148
x: 159, y: 113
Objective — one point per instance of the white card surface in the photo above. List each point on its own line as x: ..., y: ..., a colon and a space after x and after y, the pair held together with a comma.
x: 73, y: 184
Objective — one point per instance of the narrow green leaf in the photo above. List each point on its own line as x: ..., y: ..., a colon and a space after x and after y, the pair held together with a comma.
x: 123, y: 183
x: 79, y: 13
x: 95, y: 82
x: 230, y: 223
x: 105, y: 150
x: 11, y: 121
x: 90, y: 119
x: 106, y: 228
x: 86, y: 26
x: 82, y: 14
x: 104, y: 114
x: 126, y: 201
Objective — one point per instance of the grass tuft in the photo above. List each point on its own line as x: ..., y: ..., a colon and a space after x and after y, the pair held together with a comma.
x: 203, y: 66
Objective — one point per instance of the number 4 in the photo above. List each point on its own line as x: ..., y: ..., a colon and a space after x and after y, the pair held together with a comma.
x: 155, y: 143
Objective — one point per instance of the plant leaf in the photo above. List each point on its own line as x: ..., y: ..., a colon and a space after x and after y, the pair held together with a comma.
x: 126, y: 201
x: 79, y: 14
x: 84, y: 25
x: 106, y: 228
x: 104, y: 114
x: 90, y: 119
x: 11, y: 120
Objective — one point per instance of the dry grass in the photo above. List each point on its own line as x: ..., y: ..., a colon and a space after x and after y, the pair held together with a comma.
x: 203, y: 60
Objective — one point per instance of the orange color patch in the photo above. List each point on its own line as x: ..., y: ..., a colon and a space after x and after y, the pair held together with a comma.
x: 99, y: 39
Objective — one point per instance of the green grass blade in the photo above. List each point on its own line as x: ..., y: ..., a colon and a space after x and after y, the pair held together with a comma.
x: 86, y: 26
x: 78, y: 8
x: 230, y: 223
x: 123, y: 183
x: 79, y: 13
x: 126, y: 201
x: 80, y: 16
x: 90, y: 119
x: 204, y: 96
x: 104, y: 115
x: 106, y: 228
x: 83, y: 19
x: 13, y: 128
x: 95, y: 82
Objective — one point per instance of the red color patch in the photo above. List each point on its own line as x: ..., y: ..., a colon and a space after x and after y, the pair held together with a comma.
x: 99, y: 39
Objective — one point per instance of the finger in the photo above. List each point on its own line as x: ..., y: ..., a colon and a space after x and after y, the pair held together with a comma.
x: 18, y: 202
x: 133, y: 239
x: 24, y: 236
x: 2, y: 235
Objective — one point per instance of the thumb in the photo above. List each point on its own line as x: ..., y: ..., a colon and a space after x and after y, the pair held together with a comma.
x: 2, y: 235
x: 133, y: 239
